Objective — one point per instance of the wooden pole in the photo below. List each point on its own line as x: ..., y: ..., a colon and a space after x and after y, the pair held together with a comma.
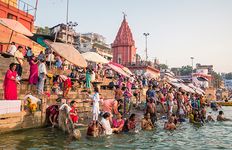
x: 10, y: 40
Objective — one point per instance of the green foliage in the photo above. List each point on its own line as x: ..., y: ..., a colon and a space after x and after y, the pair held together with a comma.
x: 183, y: 71
x: 186, y: 70
x: 43, y: 31
x: 216, y: 79
x: 228, y: 76
x: 163, y: 66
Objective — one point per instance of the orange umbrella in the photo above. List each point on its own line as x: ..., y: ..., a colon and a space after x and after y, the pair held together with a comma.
x: 15, y: 26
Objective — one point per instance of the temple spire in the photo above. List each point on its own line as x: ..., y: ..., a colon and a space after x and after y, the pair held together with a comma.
x: 124, y: 50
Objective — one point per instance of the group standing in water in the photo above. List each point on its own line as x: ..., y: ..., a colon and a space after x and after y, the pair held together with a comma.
x: 189, y: 106
x: 162, y: 101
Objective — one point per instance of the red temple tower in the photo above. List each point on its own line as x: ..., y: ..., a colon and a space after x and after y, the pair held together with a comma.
x: 124, y: 51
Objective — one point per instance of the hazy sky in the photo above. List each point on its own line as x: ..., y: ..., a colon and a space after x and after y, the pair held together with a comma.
x: 178, y: 29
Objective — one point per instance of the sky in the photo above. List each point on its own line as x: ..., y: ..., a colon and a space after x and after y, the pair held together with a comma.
x: 179, y: 29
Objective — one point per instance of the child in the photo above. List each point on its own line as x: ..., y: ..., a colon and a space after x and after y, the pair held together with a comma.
x: 73, y: 112
x: 96, y: 100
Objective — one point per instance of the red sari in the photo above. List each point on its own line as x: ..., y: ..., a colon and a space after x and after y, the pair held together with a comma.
x: 10, y: 85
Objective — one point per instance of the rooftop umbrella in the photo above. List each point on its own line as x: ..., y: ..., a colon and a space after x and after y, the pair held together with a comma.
x: 15, y: 26
x: 125, y: 69
x: 94, y: 57
x: 68, y: 52
x: 197, y: 89
x: 118, y: 69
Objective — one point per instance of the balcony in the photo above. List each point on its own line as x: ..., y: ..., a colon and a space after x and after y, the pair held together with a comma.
x: 20, y: 5
x: 142, y: 64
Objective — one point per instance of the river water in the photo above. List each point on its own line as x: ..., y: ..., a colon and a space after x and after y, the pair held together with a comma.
x: 211, y: 136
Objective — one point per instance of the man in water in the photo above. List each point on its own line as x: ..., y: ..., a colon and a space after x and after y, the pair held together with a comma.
x: 94, y: 129
x: 146, y: 123
x: 210, y: 118
x: 221, y: 117
x: 170, y: 124
x: 151, y: 109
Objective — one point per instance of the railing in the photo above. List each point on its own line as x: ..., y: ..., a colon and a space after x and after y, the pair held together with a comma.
x: 21, y: 5
x: 142, y: 63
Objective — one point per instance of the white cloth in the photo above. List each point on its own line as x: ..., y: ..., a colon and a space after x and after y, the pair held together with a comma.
x: 65, y: 105
x: 10, y: 106
x: 12, y: 49
x: 51, y: 57
x: 42, y: 68
x: 33, y: 99
x: 106, y: 124
x: 132, y: 79
x: 96, y: 100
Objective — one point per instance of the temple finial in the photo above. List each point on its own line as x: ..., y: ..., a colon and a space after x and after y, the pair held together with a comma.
x: 124, y: 15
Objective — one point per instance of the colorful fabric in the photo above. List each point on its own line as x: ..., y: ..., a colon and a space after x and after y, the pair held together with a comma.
x: 10, y: 85
x: 74, y: 117
x: 117, y: 124
x: 107, y: 105
x: 88, y: 79
x: 33, y: 77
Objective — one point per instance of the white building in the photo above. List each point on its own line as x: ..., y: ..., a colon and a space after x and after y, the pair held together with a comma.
x: 96, y: 43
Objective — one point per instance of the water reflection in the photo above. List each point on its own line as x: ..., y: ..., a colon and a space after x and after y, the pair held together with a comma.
x: 210, y: 136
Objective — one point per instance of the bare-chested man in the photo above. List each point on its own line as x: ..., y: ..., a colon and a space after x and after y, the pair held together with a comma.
x: 146, y: 123
x: 151, y: 109
x: 221, y: 117
x: 170, y: 125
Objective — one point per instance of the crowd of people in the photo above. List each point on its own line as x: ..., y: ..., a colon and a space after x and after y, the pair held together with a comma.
x: 163, y: 100
x: 38, y: 69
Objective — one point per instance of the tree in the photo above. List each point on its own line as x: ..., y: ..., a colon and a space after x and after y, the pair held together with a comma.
x: 228, y: 76
x: 163, y: 66
x: 43, y: 31
x: 176, y: 71
x: 186, y: 70
x: 216, y: 79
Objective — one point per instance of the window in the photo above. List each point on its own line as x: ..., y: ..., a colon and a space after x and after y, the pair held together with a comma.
x: 119, y: 58
x: 10, y: 16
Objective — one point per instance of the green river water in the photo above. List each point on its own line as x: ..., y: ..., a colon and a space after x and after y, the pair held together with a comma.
x: 211, y: 136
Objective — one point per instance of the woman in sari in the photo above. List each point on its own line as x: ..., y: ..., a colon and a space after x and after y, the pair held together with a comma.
x: 34, y: 75
x: 88, y: 78
x: 10, y: 83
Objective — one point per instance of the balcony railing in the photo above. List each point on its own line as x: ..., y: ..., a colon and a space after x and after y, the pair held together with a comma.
x: 21, y: 5
x: 143, y: 64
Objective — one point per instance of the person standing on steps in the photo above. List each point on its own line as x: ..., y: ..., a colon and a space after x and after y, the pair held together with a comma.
x: 34, y: 75
x: 18, y: 55
x: 10, y: 83
x: 42, y: 76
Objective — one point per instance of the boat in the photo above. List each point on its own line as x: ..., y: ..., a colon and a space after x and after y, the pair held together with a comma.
x: 224, y: 103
